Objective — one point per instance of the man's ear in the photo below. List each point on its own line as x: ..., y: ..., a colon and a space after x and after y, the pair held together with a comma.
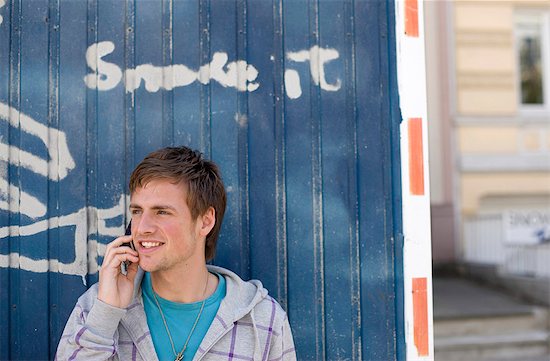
x: 208, y: 220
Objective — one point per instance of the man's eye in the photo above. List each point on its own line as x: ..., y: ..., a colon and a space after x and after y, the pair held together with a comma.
x: 135, y: 211
x: 162, y: 212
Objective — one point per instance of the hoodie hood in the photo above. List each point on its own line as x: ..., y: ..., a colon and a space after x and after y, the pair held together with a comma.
x: 241, y: 296
x: 239, y: 304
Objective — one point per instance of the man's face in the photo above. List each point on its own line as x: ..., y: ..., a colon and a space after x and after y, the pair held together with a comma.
x: 164, y: 233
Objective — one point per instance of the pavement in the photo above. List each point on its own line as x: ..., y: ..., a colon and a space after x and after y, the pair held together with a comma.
x: 458, y: 298
x: 461, y: 298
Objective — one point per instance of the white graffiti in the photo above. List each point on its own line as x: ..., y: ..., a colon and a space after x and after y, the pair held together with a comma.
x: 87, y: 222
x: 2, y: 4
x: 91, y: 222
x: 61, y: 161
x: 317, y: 58
x: 58, y: 167
x: 19, y: 200
x: 237, y: 74
x: 106, y: 76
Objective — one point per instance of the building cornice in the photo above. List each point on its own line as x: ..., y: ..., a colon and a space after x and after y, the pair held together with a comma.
x: 505, y: 163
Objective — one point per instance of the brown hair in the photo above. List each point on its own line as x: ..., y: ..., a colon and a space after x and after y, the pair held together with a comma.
x: 204, y: 183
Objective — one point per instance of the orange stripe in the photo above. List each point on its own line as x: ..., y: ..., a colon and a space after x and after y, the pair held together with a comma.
x: 411, y: 17
x: 416, y: 157
x: 420, y: 315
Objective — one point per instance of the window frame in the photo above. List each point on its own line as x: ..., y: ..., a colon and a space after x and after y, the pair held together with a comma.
x: 541, y: 17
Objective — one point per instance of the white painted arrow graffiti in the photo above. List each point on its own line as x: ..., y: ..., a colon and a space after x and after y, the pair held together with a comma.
x: 87, y: 221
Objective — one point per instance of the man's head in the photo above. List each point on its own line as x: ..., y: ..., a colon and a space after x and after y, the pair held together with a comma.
x: 201, y: 178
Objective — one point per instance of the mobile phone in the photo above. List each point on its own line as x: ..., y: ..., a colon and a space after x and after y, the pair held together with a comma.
x: 127, y: 233
x: 124, y: 265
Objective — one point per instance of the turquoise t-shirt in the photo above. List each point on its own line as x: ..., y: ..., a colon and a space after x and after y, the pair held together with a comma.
x: 180, y: 318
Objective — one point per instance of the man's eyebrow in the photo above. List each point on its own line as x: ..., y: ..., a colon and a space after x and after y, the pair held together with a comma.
x: 159, y: 206
x: 162, y: 206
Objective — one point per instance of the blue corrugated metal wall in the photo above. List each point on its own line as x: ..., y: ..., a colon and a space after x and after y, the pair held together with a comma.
x: 295, y: 100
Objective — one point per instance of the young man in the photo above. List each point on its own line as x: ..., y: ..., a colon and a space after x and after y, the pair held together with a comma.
x: 169, y: 305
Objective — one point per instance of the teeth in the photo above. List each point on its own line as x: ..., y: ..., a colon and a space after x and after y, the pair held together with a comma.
x: 150, y: 244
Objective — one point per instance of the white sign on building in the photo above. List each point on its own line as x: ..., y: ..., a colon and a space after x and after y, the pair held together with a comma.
x: 526, y: 227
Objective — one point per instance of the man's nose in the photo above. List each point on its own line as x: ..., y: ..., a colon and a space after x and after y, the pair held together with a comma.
x: 144, y: 225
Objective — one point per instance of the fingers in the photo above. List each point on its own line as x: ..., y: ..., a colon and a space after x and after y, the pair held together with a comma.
x: 118, y: 242
x: 122, y: 257
x: 132, y: 271
x: 116, y: 287
x: 116, y: 253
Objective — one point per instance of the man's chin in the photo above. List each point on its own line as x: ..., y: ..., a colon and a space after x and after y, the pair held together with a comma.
x: 147, y: 267
x: 151, y: 267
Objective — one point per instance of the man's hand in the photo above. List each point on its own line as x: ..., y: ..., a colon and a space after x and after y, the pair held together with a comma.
x: 115, y: 288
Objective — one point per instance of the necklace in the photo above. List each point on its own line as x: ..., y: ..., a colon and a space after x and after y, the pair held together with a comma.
x: 179, y: 356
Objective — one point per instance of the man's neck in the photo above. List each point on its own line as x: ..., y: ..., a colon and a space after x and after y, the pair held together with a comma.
x: 185, y: 285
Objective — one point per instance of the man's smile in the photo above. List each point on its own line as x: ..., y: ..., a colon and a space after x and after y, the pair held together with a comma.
x: 145, y: 246
x: 150, y: 244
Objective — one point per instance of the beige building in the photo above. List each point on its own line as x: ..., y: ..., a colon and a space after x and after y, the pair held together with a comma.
x: 488, y: 65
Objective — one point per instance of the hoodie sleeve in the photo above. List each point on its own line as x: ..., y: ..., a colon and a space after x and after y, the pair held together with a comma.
x: 90, y: 334
x: 282, y: 346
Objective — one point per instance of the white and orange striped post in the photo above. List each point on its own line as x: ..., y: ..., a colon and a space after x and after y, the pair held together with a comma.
x: 417, y: 274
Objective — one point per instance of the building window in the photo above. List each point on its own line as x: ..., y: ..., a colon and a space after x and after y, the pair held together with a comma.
x: 530, y: 65
x: 533, y: 59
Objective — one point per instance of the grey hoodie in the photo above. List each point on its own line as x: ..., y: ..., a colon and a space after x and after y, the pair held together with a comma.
x: 249, y: 325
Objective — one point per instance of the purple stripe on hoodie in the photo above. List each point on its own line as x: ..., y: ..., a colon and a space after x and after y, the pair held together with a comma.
x: 73, y: 356
x: 133, y: 305
x: 225, y: 354
x: 221, y: 321
x: 82, y: 314
x: 111, y: 349
x: 270, y: 330
x: 265, y: 328
x: 143, y: 336
x: 78, y: 335
x: 233, y: 337
x: 95, y: 348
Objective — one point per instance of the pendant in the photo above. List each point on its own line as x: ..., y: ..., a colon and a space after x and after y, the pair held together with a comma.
x: 179, y: 357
